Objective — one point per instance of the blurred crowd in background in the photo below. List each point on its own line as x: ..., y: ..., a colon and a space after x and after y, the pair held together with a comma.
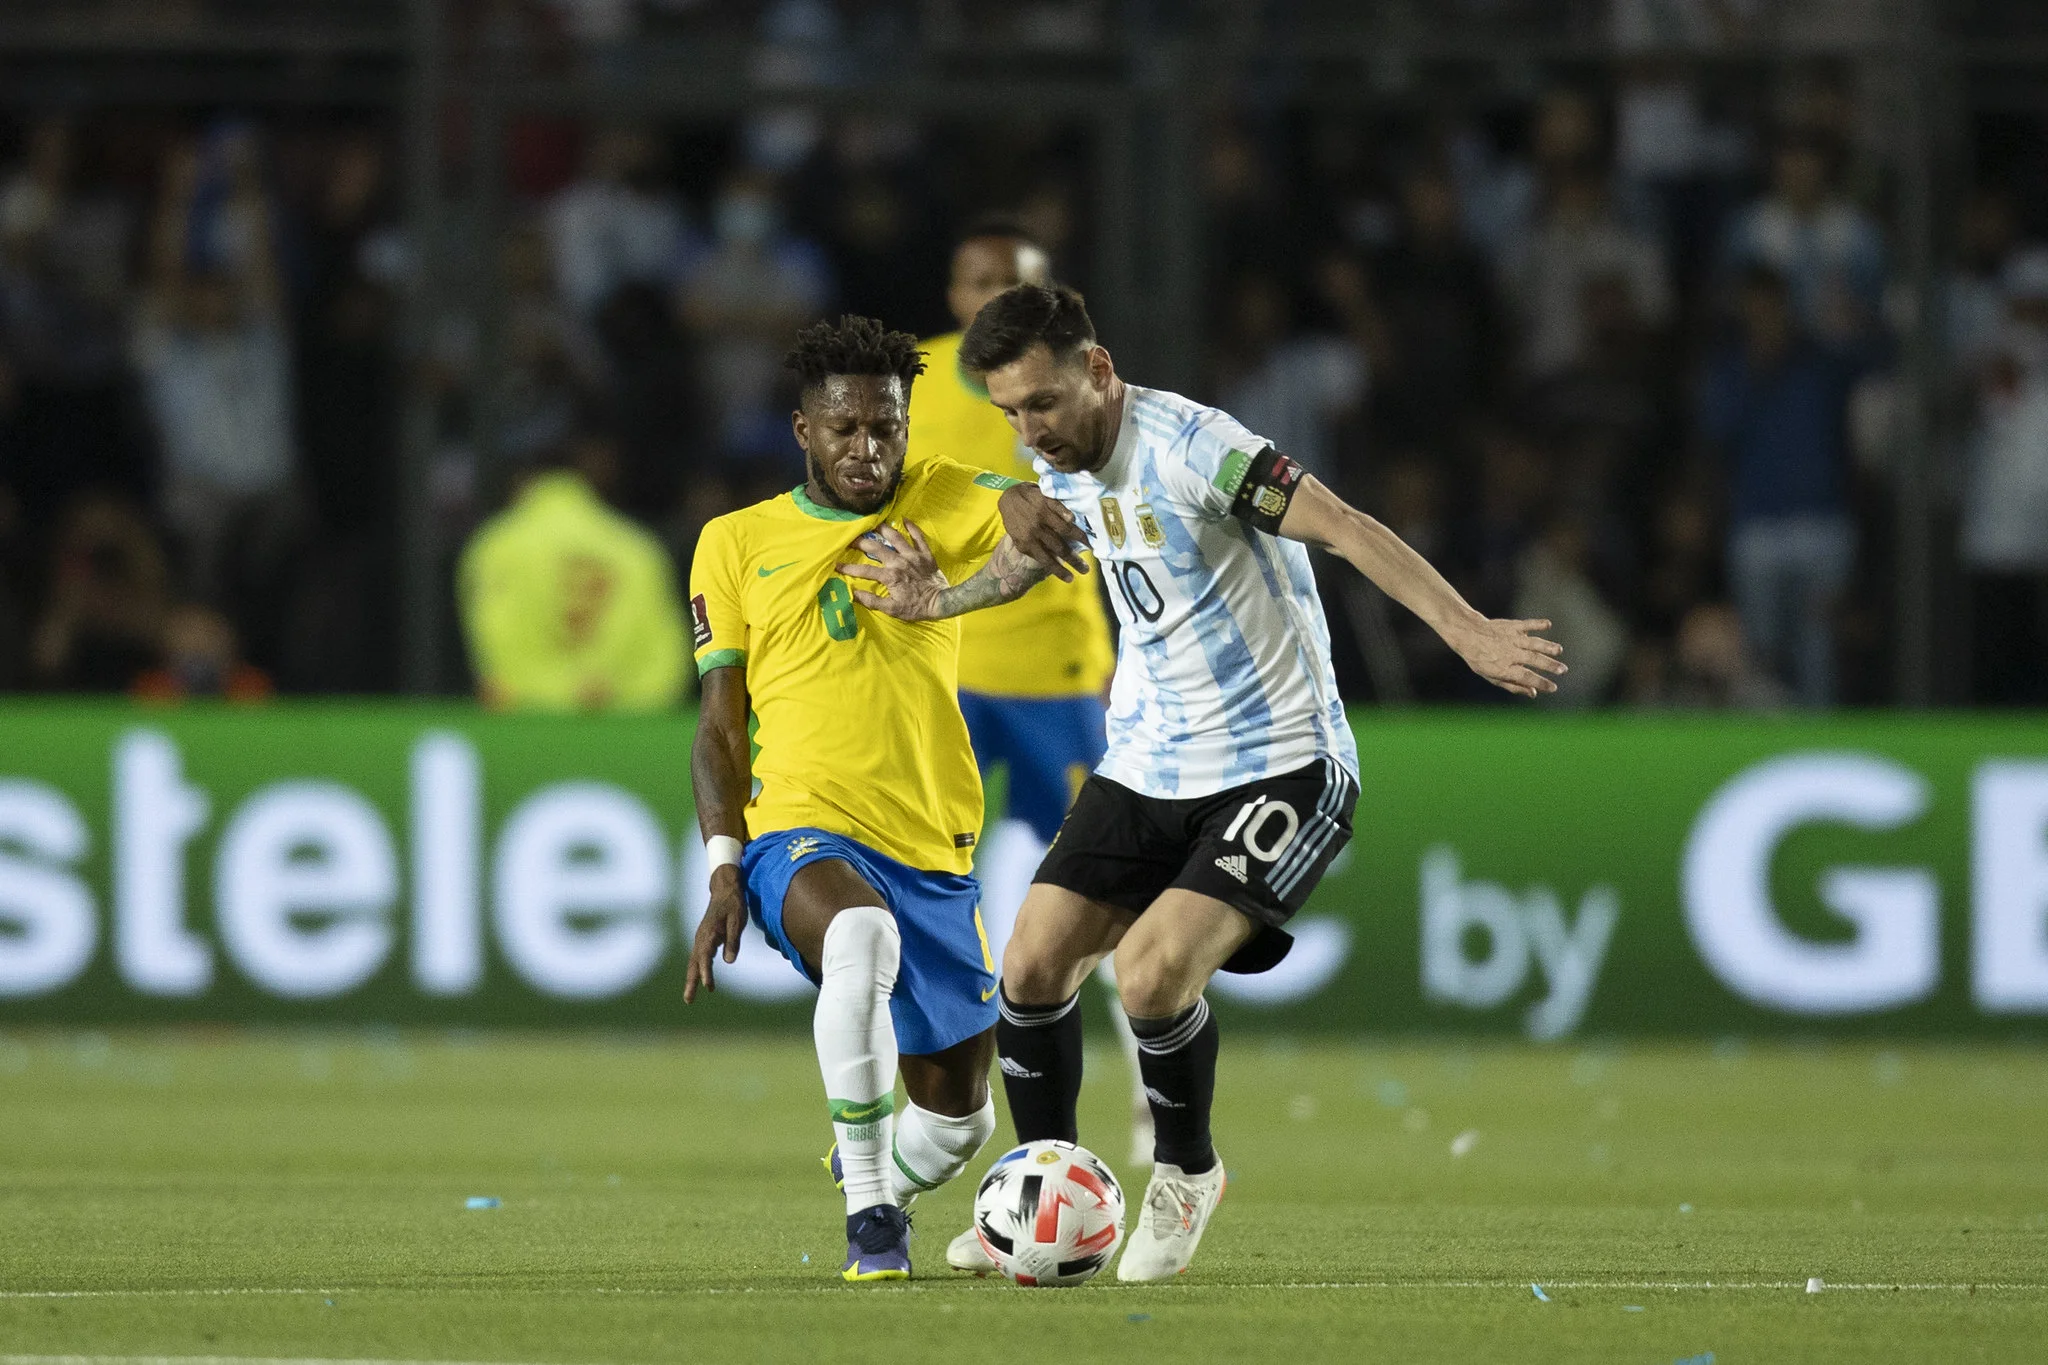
x: 1623, y: 354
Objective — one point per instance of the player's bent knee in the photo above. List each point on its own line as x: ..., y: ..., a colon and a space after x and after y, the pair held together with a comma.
x: 863, y: 938
x: 1034, y: 977
x: 1155, y: 982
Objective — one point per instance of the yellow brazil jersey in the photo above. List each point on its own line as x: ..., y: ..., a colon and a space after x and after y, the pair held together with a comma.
x: 1054, y: 640
x: 858, y: 726
x: 569, y: 606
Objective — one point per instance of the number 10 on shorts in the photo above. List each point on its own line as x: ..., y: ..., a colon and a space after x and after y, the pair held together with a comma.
x: 1256, y: 819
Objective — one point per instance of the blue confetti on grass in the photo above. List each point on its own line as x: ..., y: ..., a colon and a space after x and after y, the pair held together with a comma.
x: 1137, y: 1317
x: 1631, y: 1308
x: 481, y: 1201
x: 806, y: 1260
x: 1537, y: 1290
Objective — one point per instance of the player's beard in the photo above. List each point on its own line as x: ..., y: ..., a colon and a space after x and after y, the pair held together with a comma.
x: 875, y: 502
x: 1091, y: 453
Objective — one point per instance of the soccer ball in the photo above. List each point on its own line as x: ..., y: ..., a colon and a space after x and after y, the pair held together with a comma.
x: 1049, y: 1213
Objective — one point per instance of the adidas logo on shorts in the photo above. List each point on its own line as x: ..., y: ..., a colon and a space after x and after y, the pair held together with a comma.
x: 1236, y: 866
x: 1012, y: 1067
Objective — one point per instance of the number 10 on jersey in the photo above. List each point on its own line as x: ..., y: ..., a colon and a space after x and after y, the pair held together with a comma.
x: 1141, y: 599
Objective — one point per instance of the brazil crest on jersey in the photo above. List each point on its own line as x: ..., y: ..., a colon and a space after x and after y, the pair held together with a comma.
x: 1223, y: 666
x: 859, y: 727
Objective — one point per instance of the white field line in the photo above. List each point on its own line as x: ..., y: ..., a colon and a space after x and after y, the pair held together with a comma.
x: 689, y: 1291
x: 209, y: 1360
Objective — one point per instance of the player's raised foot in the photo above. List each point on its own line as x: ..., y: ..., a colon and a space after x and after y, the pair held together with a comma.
x: 965, y: 1252
x: 1170, y: 1222
x: 877, y: 1244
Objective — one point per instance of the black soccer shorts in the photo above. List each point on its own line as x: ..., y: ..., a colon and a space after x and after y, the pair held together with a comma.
x: 1259, y: 848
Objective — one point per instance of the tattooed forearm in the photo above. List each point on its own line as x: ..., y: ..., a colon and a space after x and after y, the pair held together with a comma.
x: 1007, y: 576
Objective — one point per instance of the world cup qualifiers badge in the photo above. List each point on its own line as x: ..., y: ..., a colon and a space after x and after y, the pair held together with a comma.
x: 700, y: 621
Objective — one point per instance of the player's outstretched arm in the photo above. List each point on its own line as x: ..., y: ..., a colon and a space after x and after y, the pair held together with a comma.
x: 1508, y: 654
x: 902, y: 565
x: 723, y: 779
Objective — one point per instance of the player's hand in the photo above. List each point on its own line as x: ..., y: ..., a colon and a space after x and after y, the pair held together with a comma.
x: 1510, y: 655
x: 723, y: 923
x: 1044, y: 530
x: 903, y: 566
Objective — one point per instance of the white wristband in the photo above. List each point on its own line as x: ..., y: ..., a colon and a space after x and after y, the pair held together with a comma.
x: 723, y: 850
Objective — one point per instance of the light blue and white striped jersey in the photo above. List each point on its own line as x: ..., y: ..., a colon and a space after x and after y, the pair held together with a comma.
x: 1223, y: 667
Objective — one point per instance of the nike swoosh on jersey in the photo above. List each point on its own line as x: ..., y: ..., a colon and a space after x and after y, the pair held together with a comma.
x: 986, y: 994
x: 765, y: 571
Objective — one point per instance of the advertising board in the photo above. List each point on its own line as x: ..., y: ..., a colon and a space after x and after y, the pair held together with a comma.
x: 1531, y: 874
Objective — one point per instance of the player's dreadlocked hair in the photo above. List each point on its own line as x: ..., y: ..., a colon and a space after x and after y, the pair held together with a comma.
x: 853, y: 345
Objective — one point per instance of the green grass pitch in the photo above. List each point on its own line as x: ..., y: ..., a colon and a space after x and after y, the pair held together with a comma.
x: 302, y: 1196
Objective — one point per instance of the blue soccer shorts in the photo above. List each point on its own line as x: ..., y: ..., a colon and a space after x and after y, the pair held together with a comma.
x: 1050, y: 745
x: 946, y: 983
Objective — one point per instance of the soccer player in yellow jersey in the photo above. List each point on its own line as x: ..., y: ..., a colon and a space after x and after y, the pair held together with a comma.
x: 852, y: 857
x: 1033, y: 671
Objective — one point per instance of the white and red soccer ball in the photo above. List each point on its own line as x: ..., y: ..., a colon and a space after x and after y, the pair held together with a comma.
x: 1049, y: 1213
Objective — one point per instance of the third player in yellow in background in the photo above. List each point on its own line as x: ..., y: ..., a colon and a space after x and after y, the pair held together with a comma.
x: 1052, y: 644
x: 1032, y: 672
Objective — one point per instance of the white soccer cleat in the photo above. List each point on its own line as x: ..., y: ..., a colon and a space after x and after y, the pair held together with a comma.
x: 965, y: 1253
x: 1170, y: 1223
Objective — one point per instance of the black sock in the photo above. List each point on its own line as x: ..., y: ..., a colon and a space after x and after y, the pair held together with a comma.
x: 1040, y: 1051
x: 1177, y: 1058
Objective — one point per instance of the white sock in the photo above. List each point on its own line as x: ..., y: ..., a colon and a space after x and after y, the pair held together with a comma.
x: 856, y: 1043
x: 933, y: 1148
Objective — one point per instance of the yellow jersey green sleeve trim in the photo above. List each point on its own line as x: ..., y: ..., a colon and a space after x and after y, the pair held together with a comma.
x: 721, y: 658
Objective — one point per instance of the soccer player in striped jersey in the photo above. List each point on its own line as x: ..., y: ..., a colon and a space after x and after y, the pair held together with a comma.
x: 1231, y: 774
x: 1032, y: 672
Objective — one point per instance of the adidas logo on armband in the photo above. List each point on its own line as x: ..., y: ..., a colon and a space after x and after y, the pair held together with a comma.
x: 1236, y: 866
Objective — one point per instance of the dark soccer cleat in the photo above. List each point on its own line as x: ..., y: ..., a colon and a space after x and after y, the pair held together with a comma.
x: 830, y: 1161
x: 877, y: 1244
